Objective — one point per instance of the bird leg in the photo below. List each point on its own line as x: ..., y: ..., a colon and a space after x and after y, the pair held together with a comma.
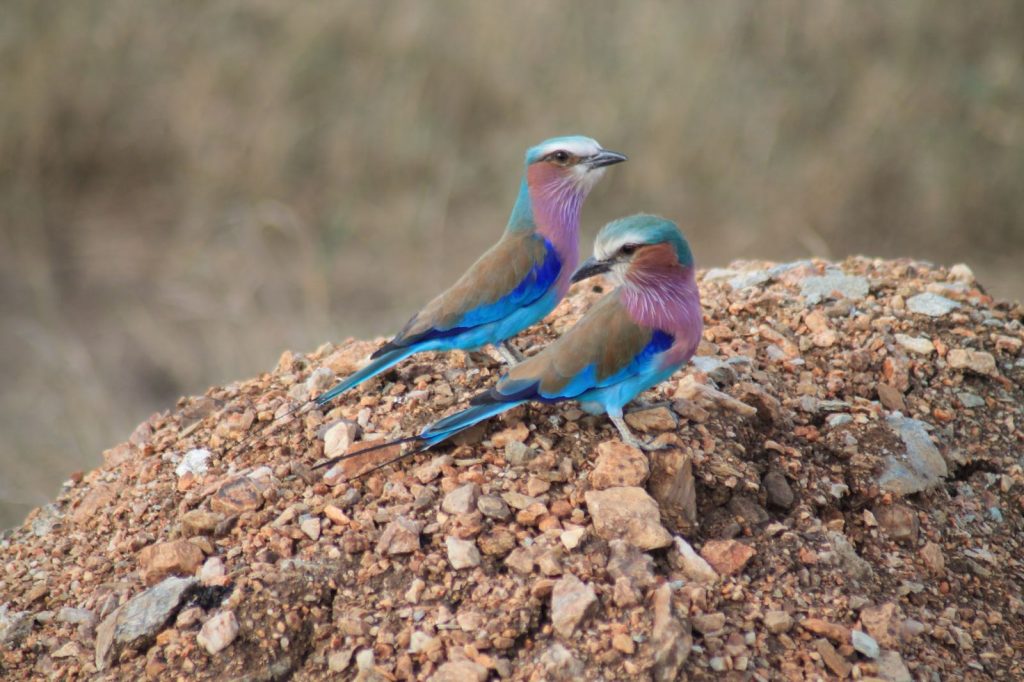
x: 508, y: 353
x: 628, y: 438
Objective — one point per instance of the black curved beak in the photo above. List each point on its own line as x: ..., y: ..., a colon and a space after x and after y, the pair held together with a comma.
x: 589, y: 268
x: 605, y: 158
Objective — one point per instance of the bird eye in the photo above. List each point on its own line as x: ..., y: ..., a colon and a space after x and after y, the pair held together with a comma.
x: 629, y: 249
x: 560, y: 157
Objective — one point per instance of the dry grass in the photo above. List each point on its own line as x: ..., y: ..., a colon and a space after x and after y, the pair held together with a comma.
x: 188, y: 188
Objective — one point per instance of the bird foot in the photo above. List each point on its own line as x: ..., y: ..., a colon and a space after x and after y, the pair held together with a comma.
x: 508, y: 353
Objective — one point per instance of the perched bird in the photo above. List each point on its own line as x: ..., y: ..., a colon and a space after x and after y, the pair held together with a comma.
x: 520, y: 279
x: 636, y: 336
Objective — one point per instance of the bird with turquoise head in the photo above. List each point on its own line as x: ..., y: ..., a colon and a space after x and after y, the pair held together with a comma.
x: 521, y: 278
x: 633, y: 338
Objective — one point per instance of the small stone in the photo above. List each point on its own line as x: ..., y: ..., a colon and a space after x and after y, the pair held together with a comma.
x: 99, y: 497
x: 933, y: 558
x: 188, y: 617
x: 462, y: 553
x: 461, y: 500
x: 167, y: 558
x: 338, y: 439
x: 920, y: 467
x: 235, y: 496
x: 460, y: 671
x: 218, y: 632
x: 212, y: 570
x: 516, y: 434
x: 624, y: 643
x: 832, y: 659
x: 864, y: 643
x: 200, y: 522
x: 493, y: 507
x: 961, y: 272
x: 135, y: 624
x: 401, y: 536
x: 778, y: 490
x: 195, y: 462
x: 891, y: 667
x: 708, y: 623
x: 882, y: 623
x: 932, y: 305
x: 692, y: 564
x: 68, y: 614
x: 520, y: 560
x: 671, y: 639
x: 898, y: 521
x: 891, y: 397
x: 559, y: 664
x: 571, y: 602
x: 834, y: 631
x: 618, y: 464
x: 336, y: 516
x: 571, y: 538
x: 653, y: 419
x: 310, y: 525
x: 833, y: 282
x: 727, y: 556
x: 338, y: 661
x: 420, y: 642
x: 970, y: 400
x: 69, y: 650
x: 974, y: 360
x: 628, y: 513
x: 915, y: 344
x: 518, y: 500
x: 777, y: 622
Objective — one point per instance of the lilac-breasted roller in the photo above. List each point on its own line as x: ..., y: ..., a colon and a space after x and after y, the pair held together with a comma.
x: 521, y: 278
x: 635, y: 337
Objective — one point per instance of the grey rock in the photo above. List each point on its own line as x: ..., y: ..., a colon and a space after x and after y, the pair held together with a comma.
x: 920, y: 467
x: 219, y: 632
x: 493, y: 507
x: 838, y: 419
x: 460, y: 671
x: 571, y: 601
x: 852, y: 563
x: 932, y: 305
x: 865, y: 644
x: 461, y: 500
x: 559, y: 663
x: 817, y: 289
x: 892, y: 668
x: 970, y: 400
x: 15, y: 626
x: 778, y: 490
x: 462, y: 553
x: 134, y: 624
x: 75, y: 616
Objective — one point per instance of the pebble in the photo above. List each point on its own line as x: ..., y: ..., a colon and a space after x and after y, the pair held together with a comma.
x: 571, y: 602
x: 778, y: 490
x: 891, y: 397
x: 460, y: 671
x: 692, y: 564
x: 310, y: 525
x: 338, y: 439
x: 462, y: 553
x: 627, y: 513
x: 891, y: 667
x: 916, y: 344
x: 68, y: 614
x: 865, y: 643
x: 338, y: 661
x: 618, y: 465
x: 933, y: 558
x: 932, y: 305
x: 882, y: 623
x: 134, y: 624
x: 461, y: 500
x: 218, y: 632
x: 727, y: 556
x: 816, y: 289
x: 832, y: 659
x: 167, y: 558
x: 898, y: 521
x: 920, y: 467
x: 235, y: 496
x: 493, y: 507
x: 974, y: 360
x: 654, y: 419
x: 834, y: 631
x: 970, y: 400
x: 401, y: 536
x: 777, y: 622
x: 671, y: 642
x: 195, y: 462
x: 708, y: 623
x: 212, y: 570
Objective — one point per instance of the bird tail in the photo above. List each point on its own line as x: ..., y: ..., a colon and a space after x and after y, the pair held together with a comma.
x: 443, y: 429
x: 376, y: 366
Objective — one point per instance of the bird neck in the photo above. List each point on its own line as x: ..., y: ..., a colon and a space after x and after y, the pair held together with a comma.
x: 549, y: 203
x: 666, y: 298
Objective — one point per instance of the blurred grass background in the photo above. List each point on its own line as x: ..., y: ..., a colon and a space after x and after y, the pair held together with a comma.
x: 188, y: 188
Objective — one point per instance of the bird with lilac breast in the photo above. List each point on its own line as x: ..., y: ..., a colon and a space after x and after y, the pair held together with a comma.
x: 633, y: 338
x: 521, y: 278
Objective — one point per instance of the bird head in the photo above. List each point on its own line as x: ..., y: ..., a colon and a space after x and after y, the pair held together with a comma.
x: 574, y: 162
x: 634, y: 244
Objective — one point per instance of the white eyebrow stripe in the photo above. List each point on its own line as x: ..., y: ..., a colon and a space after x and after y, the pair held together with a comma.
x: 577, y: 147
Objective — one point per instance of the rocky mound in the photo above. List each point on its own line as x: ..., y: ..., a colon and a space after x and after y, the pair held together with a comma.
x: 841, y: 495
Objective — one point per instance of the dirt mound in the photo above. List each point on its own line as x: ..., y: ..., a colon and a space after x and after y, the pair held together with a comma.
x: 841, y: 494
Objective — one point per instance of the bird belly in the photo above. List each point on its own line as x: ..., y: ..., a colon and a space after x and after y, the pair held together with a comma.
x: 613, y: 398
